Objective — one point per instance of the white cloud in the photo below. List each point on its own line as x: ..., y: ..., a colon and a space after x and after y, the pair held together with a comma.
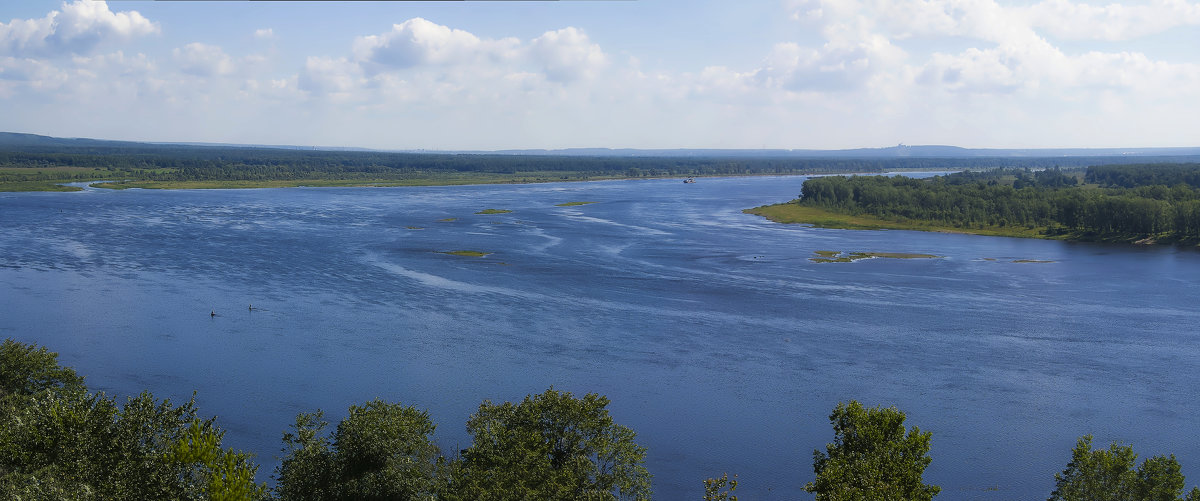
x: 418, y: 42
x: 335, y: 76
x: 203, y: 60
x: 854, y: 73
x: 78, y: 28
x: 17, y: 74
x: 568, y: 55
x: 1114, y: 22
x: 836, y: 66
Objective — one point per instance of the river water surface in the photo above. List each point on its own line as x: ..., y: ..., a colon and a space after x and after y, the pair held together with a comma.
x: 716, y: 338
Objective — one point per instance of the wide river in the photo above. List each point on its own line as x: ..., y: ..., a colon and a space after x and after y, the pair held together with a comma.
x: 716, y: 338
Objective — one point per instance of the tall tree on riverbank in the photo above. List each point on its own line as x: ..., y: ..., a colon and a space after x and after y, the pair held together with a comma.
x: 381, y: 451
x: 872, y: 457
x: 1109, y: 475
x: 551, y: 446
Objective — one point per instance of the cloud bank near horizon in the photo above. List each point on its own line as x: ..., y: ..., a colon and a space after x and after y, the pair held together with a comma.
x: 856, y: 73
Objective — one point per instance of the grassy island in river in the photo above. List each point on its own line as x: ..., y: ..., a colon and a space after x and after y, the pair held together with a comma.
x: 1144, y: 204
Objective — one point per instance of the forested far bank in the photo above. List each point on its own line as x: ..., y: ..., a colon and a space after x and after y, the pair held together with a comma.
x: 1117, y: 203
x: 32, y: 166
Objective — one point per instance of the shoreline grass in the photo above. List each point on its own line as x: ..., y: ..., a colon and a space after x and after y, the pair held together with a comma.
x: 793, y: 213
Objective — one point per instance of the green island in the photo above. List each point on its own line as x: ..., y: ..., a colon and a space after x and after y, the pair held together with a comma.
x: 62, y: 440
x: 572, y: 204
x: 1142, y: 204
x: 466, y: 253
x: 494, y: 211
x: 824, y: 256
x: 447, y: 220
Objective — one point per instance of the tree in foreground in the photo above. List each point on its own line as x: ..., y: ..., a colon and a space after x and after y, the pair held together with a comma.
x: 1104, y: 475
x: 27, y: 370
x: 713, y: 486
x: 381, y: 451
x: 872, y: 457
x: 552, y: 447
x: 57, y: 441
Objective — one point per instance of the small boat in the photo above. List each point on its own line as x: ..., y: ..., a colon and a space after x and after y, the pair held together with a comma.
x: 689, y: 180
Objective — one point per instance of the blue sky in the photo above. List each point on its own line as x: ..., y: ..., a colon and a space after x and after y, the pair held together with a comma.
x: 640, y: 73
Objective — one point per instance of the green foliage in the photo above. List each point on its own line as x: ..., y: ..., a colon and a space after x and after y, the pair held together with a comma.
x: 1132, y: 176
x: 381, y: 451
x: 551, y: 446
x: 37, y: 164
x: 228, y: 475
x: 713, y: 486
x: 1109, y: 475
x: 59, y: 442
x: 871, y: 457
x: 1046, y: 200
x: 26, y: 370
x: 87, y: 444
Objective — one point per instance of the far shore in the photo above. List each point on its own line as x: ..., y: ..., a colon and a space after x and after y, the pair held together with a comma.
x: 433, y: 180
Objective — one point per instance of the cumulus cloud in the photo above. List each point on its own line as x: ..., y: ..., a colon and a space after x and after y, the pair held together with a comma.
x: 325, y: 75
x: 203, y: 60
x: 419, y: 45
x: 994, y: 21
x: 1007, y: 48
x: 418, y: 41
x: 78, y: 28
x: 1114, y: 22
x: 568, y: 55
x: 264, y: 33
x: 37, y: 75
x: 833, y: 67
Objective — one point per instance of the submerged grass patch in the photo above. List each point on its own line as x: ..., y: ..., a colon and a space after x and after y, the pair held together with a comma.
x: 447, y: 220
x: 466, y: 253
x: 572, y: 204
x: 494, y: 211
x: 850, y: 257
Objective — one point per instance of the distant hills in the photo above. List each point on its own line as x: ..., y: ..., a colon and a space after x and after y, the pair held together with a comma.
x: 899, y: 151
x: 16, y: 140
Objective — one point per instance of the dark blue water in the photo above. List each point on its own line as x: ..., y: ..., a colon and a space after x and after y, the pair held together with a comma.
x: 716, y: 338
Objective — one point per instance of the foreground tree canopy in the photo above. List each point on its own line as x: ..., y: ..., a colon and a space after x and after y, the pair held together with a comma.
x: 1109, y: 475
x: 58, y: 441
x: 872, y: 457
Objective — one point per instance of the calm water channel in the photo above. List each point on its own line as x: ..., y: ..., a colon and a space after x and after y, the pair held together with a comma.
x: 716, y: 338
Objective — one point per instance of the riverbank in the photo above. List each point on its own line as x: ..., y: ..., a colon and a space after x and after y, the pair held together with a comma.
x: 793, y: 213
x: 433, y: 180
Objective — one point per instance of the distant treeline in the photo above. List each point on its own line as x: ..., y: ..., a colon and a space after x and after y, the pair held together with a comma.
x: 1134, y: 202
x: 1134, y: 175
x: 149, y: 162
